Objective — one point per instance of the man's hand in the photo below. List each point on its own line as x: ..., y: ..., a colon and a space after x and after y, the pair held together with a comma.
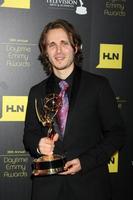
x: 72, y: 167
x: 46, y: 145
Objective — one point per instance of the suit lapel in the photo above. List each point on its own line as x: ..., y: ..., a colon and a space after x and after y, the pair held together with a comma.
x: 50, y: 85
x: 73, y: 98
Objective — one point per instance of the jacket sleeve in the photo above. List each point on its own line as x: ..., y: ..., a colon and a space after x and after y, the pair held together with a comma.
x: 113, y: 129
x: 33, y: 128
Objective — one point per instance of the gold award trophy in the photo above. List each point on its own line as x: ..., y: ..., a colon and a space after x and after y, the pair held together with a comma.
x: 48, y: 164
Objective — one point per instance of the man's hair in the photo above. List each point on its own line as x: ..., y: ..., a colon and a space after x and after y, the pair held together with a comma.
x: 74, y: 39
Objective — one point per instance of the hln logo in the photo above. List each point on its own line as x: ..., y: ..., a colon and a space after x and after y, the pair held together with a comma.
x: 113, y: 164
x: 23, y: 4
x: 110, y: 56
x: 14, y: 108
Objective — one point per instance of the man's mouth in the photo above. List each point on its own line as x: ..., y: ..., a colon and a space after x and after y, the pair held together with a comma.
x: 59, y: 58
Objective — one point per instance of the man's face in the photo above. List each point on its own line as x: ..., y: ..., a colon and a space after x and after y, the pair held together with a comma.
x: 59, y: 50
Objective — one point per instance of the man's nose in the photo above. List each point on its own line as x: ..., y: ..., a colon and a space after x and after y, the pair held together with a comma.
x: 58, y: 48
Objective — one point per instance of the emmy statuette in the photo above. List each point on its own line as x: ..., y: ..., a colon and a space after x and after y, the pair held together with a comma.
x: 53, y: 164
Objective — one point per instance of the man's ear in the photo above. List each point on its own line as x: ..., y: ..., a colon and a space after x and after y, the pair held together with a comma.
x: 46, y: 54
x: 76, y: 49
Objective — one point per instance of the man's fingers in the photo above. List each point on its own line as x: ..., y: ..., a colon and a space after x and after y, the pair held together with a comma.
x: 46, y: 145
x: 68, y: 165
x: 72, y: 167
x: 69, y: 171
x: 55, y: 138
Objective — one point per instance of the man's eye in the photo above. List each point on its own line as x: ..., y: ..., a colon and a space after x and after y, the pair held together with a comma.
x: 65, y: 43
x: 51, y: 45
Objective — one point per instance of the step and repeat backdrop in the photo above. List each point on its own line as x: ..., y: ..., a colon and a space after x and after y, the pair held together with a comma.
x: 105, y: 29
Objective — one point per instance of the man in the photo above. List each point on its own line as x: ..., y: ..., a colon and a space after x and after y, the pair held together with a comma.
x: 93, y: 132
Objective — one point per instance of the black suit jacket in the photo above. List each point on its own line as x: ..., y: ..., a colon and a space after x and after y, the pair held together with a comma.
x: 94, y: 131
